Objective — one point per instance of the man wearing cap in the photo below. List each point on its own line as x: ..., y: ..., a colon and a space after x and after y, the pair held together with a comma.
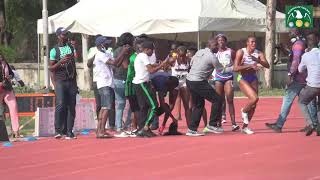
x: 146, y: 96
x: 91, y: 54
x: 63, y: 68
x: 105, y: 82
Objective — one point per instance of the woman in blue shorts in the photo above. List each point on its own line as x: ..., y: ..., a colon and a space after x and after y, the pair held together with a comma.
x: 224, y: 81
x: 247, y: 62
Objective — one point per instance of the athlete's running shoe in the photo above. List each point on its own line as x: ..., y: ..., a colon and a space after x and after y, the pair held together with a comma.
x: 247, y: 130
x: 193, y: 133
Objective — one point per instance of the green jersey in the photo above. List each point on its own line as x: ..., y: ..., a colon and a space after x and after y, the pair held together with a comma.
x: 130, y: 75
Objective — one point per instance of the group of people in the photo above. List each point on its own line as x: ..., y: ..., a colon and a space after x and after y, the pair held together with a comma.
x: 133, y: 73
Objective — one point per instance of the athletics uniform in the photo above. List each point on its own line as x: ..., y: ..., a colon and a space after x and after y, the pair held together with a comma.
x: 180, y: 71
x: 247, y: 60
x: 225, y: 58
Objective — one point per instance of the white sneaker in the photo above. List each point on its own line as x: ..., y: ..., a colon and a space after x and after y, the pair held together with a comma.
x: 245, y: 117
x: 247, y: 131
x: 132, y: 133
x: 193, y: 133
x: 122, y: 135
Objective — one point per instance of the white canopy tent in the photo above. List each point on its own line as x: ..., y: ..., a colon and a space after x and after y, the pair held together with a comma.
x: 113, y: 17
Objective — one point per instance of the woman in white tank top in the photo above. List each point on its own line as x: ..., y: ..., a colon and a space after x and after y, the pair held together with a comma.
x: 247, y: 62
x: 224, y: 81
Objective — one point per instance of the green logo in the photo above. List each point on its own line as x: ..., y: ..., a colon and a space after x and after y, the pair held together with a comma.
x: 299, y: 16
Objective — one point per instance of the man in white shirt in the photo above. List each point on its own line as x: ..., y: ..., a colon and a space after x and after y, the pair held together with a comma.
x: 104, y: 77
x: 146, y: 96
x: 310, y: 62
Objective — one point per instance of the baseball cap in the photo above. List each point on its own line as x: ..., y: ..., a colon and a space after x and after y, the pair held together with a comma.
x: 148, y: 44
x: 103, y: 40
x: 61, y: 30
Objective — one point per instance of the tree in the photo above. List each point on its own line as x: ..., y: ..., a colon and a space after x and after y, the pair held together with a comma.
x: 18, y: 23
x: 4, y: 35
x: 270, y: 40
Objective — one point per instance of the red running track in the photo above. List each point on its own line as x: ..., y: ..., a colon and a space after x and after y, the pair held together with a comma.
x: 229, y: 156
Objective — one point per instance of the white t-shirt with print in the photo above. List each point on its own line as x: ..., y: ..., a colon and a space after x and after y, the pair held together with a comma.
x: 140, y: 66
x: 103, y: 71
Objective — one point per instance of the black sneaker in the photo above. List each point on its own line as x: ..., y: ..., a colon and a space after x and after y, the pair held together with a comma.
x: 309, y: 130
x: 58, y: 136
x: 274, y: 127
x: 151, y: 133
x: 318, y: 130
x: 154, y: 127
x: 145, y: 133
x: 235, y: 128
x: 303, y: 129
x: 70, y: 136
x: 173, y: 130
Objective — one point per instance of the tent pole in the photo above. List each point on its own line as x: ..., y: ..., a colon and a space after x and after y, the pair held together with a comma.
x: 276, y: 49
x: 45, y: 45
x: 86, y: 74
x: 198, y: 35
x: 198, y: 39
x: 38, y: 60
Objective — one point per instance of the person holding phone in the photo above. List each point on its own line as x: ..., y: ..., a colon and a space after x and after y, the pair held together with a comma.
x: 64, y: 77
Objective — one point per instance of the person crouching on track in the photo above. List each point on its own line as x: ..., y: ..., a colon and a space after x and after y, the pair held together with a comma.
x: 163, y: 83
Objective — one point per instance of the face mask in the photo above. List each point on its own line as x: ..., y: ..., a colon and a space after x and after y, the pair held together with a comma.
x: 103, y: 49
